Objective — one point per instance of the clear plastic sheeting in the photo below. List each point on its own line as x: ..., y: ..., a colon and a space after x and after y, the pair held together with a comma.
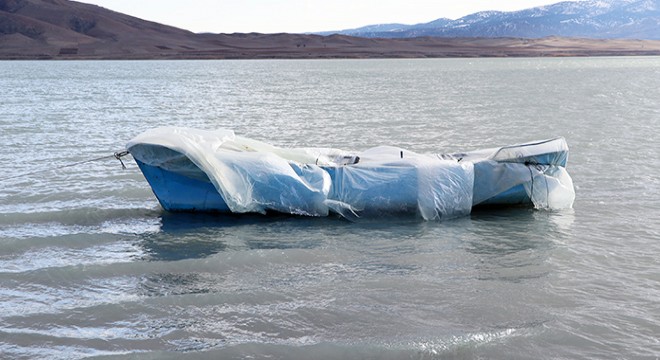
x: 551, y: 188
x: 492, y: 178
x: 392, y: 180
x: 532, y: 172
x: 553, y: 151
x: 218, y: 171
x: 253, y: 176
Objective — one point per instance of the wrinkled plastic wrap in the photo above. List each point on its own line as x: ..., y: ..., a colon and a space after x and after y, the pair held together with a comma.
x: 249, y: 175
x: 253, y: 176
x: 551, y: 188
x: 392, y: 180
x: 532, y: 172
x: 552, y: 151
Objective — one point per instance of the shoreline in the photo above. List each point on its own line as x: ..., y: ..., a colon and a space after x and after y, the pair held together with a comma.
x: 295, y: 46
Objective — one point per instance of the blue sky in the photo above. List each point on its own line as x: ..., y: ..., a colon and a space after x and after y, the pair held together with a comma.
x: 297, y: 16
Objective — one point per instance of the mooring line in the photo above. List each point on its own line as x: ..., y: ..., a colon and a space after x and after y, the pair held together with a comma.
x: 117, y: 155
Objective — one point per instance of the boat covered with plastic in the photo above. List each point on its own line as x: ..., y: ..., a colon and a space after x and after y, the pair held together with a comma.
x: 219, y: 171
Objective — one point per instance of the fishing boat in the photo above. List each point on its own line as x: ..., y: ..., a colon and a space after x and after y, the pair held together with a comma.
x: 218, y: 171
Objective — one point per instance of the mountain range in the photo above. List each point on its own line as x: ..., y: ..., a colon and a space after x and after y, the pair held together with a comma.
x: 64, y: 29
x: 597, y: 19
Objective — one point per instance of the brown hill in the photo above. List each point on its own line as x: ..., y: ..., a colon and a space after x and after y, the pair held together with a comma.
x: 63, y: 29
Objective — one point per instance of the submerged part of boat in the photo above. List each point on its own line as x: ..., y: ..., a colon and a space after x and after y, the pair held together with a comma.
x: 218, y: 171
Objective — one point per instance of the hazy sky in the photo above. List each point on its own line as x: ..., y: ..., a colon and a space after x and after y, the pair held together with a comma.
x: 297, y: 16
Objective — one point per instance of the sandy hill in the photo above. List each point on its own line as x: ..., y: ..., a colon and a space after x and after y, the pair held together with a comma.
x: 63, y: 29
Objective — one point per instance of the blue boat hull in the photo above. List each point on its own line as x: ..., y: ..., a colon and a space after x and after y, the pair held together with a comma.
x: 177, y: 192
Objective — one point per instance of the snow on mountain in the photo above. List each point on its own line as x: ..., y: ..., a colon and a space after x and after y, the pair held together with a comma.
x: 602, y: 19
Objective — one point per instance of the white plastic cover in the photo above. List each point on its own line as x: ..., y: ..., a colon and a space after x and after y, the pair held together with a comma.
x: 388, y: 179
x: 250, y: 175
x: 534, y: 152
x: 492, y: 178
x: 551, y: 188
x: 253, y: 176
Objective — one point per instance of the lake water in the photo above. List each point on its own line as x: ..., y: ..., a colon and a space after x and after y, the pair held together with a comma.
x: 90, y: 265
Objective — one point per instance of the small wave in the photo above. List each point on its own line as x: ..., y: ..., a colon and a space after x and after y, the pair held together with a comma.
x: 90, y: 220
x: 80, y: 215
x: 467, y: 341
x: 50, y: 257
x: 25, y: 299
x: 50, y: 352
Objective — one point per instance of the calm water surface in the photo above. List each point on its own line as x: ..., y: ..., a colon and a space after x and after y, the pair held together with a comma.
x: 91, y: 266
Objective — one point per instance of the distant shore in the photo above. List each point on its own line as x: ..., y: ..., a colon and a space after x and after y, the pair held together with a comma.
x: 295, y: 46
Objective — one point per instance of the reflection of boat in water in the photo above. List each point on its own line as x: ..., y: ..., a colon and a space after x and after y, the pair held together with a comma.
x: 217, y: 171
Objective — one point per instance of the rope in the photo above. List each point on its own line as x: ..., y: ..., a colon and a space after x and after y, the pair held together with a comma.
x: 117, y: 155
